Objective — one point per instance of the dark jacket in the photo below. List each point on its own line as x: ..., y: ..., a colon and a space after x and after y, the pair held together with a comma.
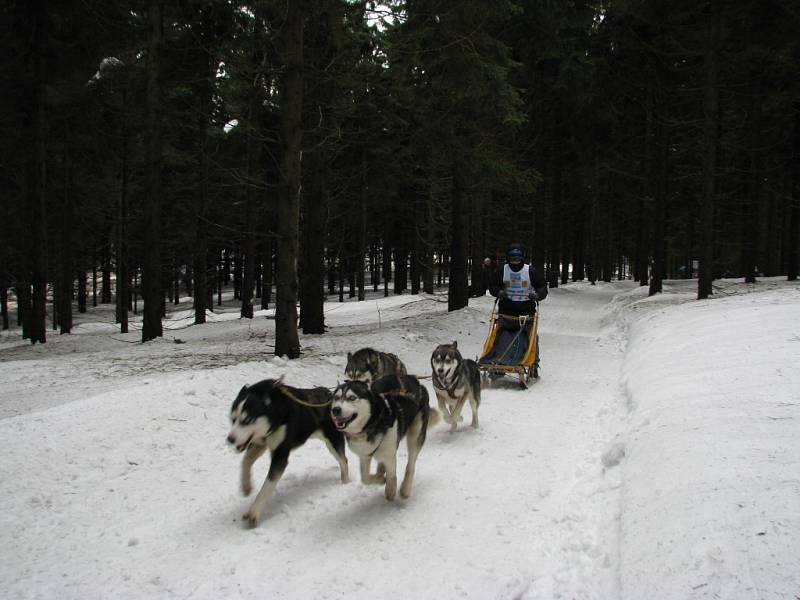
x: 510, y: 307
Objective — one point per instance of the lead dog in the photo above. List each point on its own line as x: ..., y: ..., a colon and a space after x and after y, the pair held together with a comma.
x: 369, y: 365
x: 374, y: 419
x: 269, y: 415
x: 455, y: 380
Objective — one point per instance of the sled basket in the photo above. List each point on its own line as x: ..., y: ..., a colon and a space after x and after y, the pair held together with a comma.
x: 497, y: 362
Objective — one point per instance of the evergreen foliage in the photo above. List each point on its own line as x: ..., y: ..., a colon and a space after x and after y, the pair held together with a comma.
x: 392, y: 144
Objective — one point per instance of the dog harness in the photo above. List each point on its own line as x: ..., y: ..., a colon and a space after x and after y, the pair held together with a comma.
x: 437, y: 383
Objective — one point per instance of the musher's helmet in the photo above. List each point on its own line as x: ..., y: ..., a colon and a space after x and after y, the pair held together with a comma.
x: 515, y: 254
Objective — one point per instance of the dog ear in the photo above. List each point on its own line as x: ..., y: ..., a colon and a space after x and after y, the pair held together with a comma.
x: 242, y: 391
x: 455, y: 345
x: 349, y: 356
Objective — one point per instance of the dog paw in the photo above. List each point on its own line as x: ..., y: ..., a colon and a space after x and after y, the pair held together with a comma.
x: 391, y: 488
x: 251, y: 518
x: 374, y: 479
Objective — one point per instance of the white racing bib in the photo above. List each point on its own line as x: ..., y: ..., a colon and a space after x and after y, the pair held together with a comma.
x: 517, y: 284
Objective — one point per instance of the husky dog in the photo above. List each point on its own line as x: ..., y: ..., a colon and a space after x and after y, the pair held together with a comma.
x: 368, y: 365
x: 376, y: 418
x: 269, y: 415
x: 456, y: 380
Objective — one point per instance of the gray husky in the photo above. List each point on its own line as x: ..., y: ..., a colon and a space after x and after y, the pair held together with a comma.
x: 375, y: 418
x: 370, y: 365
x: 456, y: 380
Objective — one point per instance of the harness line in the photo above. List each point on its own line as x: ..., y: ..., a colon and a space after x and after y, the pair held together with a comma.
x: 294, y: 398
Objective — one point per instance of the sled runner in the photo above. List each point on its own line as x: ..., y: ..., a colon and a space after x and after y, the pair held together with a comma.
x: 511, y: 348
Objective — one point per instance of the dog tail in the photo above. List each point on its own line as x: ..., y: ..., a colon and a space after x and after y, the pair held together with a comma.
x: 434, y: 417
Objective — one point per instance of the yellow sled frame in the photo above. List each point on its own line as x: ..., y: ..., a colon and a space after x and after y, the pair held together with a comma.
x: 525, y: 368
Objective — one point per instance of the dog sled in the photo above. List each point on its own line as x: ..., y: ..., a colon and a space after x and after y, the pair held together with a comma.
x: 511, y: 348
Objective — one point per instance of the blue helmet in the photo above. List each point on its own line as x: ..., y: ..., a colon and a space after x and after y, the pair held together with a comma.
x: 515, y: 253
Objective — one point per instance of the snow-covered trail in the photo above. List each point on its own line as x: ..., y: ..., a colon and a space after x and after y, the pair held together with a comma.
x: 575, y: 413
x: 133, y: 493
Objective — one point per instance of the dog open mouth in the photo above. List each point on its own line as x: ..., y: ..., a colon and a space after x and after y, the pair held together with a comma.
x: 342, y: 422
x: 242, y: 447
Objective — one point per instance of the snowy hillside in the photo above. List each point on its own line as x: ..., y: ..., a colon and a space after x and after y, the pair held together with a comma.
x: 658, y: 457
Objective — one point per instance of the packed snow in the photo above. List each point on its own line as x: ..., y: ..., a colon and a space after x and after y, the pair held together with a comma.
x: 657, y: 457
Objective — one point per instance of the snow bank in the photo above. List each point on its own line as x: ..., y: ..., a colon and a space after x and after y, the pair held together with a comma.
x: 710, y: 502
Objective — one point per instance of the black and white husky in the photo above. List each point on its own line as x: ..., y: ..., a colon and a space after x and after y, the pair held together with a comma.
x: 376, y: 418
x: 370, y: 365
x: 456, y: 380
x: 269, y: 415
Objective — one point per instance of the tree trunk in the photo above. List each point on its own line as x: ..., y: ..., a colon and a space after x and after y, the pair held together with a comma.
x: 176, y: 279
x: 266, y: 273
x: 660, y: 210
x: 312, y: 275
x: 36, y: 174
x: 225, y: 266
x: 476, y: 249
x: 579, y: 241
x: 105, y: 285
x: 24, y: 314
x: 4, y: 304
x: 458, y: 288
x: 203, y: 298
x: 65, y: 270
x: 249, y: 246
x: 710, y: 136
x: 793, y: 243
x: 136, y: 290
x: 82, y: 291
x: 752, y: 202
x: 200, y: 268
x: 645, y: 202
x: 362, y: 227
x: 610, y: 248
x: 151, y: 209
x: 387, y: 265
x: 94, y: 277
x: 556, y: 254
x: 416, y: 245
x: 123, y: 289
x: 427, y: 250
x: 401, y: 243
x: 221, y: 272
x: 287, y: 341
x: 237, y: 272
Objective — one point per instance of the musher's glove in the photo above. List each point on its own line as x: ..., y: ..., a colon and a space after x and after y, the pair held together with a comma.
x: 533, y: 295
x: 502, y: 295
